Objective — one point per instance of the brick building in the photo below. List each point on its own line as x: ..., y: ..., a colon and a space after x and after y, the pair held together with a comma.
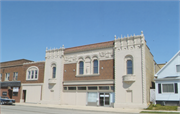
x: 20, y: 80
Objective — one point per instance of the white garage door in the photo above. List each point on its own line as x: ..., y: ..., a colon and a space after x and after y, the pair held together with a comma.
x: 33, y: 93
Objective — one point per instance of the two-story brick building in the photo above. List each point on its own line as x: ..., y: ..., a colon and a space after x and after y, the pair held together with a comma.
x: 22, y: 80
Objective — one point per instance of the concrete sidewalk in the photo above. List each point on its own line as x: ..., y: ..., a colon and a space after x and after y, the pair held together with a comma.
x: 87, y: 108
x: 91, y: 108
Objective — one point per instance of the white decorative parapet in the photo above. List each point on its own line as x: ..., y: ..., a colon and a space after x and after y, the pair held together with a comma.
x: 52, y: 81
x: 129, y: 78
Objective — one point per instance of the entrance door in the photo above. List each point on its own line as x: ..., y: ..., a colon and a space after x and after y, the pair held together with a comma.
x: 10, y: 93
x: 104, y: 99
x: 24, y: 95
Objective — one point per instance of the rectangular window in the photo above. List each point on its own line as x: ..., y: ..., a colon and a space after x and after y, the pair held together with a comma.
x: 159, y: 88
x: 0, y: 77
x: 54, y: 72
x: 65, y: 88
x: 71, y: 88
x: 129, y: 67
x: 112, y: 88
x: 81, y: 67
x: 168, y: 88
x: 15, y: 93
x: 92, y: 88
x: 81, y: 88
x: 15, y: 75
x: 103, y: 87
x: 7, y: 77
x: 92, y: 97
x: 178, y: 68
x: 176, y: 87
x: 4, y: 93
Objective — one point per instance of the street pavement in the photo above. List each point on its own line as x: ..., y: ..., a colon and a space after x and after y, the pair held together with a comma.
x: 22, y: 109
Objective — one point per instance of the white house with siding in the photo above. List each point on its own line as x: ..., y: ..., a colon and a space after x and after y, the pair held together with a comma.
x: 167, y: 82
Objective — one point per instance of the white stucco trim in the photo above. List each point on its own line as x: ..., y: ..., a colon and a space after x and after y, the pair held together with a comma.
x: 88, y: 82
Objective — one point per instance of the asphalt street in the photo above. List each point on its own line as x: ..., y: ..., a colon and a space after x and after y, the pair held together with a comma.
x: 15, y: 109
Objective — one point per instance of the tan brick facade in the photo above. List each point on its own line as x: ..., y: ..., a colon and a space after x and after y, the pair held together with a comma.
x: 105, y: 73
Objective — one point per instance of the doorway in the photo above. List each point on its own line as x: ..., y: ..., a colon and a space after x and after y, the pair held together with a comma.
x: 10, y: 93
x: 104, y: 99
x: 24, y: 95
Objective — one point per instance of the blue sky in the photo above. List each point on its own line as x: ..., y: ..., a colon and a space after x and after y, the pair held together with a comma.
x: 27, y: 28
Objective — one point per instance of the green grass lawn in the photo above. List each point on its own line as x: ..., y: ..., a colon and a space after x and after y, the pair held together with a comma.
x: 159, y: 107
x: 159, y: 112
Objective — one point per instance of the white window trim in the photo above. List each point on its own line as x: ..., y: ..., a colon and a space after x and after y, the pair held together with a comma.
x: 167, y: 92
x: 30, y: 69
x: 6, y: 79
x: 129, y: 57
x: 91, y: 67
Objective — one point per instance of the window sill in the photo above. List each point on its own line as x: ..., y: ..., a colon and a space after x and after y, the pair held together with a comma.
x: 85, y: 75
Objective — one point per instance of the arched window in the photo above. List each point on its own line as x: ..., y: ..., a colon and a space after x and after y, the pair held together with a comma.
x: 95, y: 66
x: 32, y: 73
x: 54, y: 72
x: 129, y: 67
x: 81, y: 67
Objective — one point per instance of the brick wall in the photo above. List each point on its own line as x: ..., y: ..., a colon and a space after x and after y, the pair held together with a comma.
x: 41, y: 73
x: 106, y: 73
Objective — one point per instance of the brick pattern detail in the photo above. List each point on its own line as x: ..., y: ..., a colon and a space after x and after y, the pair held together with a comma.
x: 105, y: 73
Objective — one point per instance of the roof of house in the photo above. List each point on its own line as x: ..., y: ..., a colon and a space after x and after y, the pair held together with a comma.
x: 167, y: 63
x: 90, y: 47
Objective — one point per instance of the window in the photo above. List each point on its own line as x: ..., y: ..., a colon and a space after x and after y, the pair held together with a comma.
x: 168, y: 88
x: 65, y: 88
x: 95, y: 66
x: 92, y: 88
x: 31, y: 73
x: 81, y: 67
x: 15, y: 93
x: 71, y: 88
x: 0, y: 77
x: 103, y: 87
x: 7, y: 77
x: 129, y: 67
x: 178, y: 68
x: 15, y: 76
x: 81, y: 88
x: 54, y: 72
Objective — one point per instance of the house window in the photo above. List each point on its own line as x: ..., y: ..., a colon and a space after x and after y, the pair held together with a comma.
x: 0, y: 77
x: 129, y: 67
x: 54, y: 72
x: 7, y: 76
x: 178, y: 68
x: 168, y: 88
x: 81, y: 67
x: 95, y: 66
x: 15, y: 76
x: 31, y: 73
